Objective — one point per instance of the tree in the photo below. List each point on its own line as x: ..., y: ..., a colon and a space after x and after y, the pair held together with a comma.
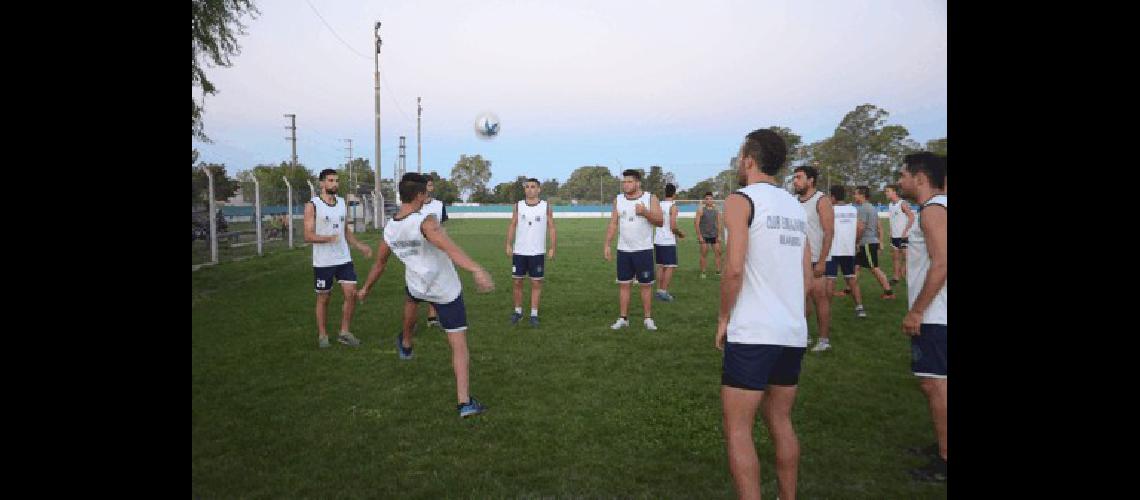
x: 482, y: 195
x: 215, y: 28
x: 585, y: 182
x: 362, y: 173
x: 937, y: 146
x: 504, y: 192
x: 654, y: 182
x: 273, y: 187
x: 863, y: 150
x: 471, y: 173
x: 445, y: 190
x: 224, y: 187
x: 550, y: 188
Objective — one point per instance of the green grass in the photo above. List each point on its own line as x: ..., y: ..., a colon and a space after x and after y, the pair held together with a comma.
x: 575, y: 408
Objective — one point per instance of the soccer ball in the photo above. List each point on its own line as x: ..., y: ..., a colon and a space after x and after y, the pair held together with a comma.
x: 486, y: 126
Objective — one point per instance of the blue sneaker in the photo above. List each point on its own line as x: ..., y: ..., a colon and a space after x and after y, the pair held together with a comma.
x: 515, y: 317
x: 471, y: 408
x: 404, y: 353
x: 534, y: 321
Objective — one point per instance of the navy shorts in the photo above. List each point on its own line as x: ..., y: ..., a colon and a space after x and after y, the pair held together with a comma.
x: 666, y: 255
x: 754, y: 366
x: 631, y: 263
x: 709, y: 240
x: 867, y: 255
x: 899, y: 243
x: 845, y: 263
x: 928, y: 351
x: 452, y: 315
x: 522, y: 265
x: 324, y: 276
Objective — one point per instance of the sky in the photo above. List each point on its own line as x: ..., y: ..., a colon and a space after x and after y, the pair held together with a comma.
x: 625, y: 84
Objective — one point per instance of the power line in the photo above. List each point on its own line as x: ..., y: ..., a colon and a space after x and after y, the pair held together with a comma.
x: 362, y: 56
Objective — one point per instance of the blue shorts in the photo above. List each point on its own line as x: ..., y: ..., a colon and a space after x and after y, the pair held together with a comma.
x: 928, y: 351
x: 899, y: 243
x: 631, y: 263
x: 324, y: 276
x: 711, y: 240
x: 452, y: 315
x: 845, y: 263
x: 754, y: 366
x: 522, y: 265
x: 666, y: 255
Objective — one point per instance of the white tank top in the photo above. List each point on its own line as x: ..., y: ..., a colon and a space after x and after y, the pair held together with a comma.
x: 770, y: 307
x: 664, y: 235
x: 330, y: 221
x: 897, y: 218
x: 435, y: 207
x: 635, y: 233
x: 814, y: 228
x: 428, y: 271
x: 917, y: 264
x: 843, y: 242
x: 530, y: 232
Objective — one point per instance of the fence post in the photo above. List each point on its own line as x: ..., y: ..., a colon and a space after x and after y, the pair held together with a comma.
x: 257, y: 211
x: 213, y: 221
x: 289, y: 208
x: 312, y: 191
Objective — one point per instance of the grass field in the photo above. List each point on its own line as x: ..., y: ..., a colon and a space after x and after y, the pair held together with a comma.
x: 575, y: 409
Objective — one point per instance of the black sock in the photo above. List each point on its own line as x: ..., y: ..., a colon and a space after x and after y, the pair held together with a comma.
x: 625, y: 318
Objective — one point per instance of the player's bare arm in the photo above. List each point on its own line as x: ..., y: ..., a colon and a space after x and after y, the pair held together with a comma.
x: 654, y: 214
x: 511, y: 230
x: 673, y: 222
x: 311, y: 226
x: 610, y: 230
x: 383, y: 251
x: 909, y: 218
x: 736, y: 211
x: 827, y: 222
x: 350, y: 237
x: 550, y: 230
x: 435, y: 234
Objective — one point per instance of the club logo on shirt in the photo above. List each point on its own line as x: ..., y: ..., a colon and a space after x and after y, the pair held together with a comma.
x: 538, y: 218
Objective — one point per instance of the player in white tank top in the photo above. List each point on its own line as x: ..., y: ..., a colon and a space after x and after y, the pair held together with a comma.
x: 820, y: 229
x: 531, y: 221
x: 433, y: 207
x: 636, y: 212
x: 760, y: 324
x: 665, y: 243
x: 325, y: 230
x: 901, y: 219
x: 429, y: 258
x: 923, y: 180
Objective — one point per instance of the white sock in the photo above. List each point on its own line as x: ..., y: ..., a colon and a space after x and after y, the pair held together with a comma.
x: 518, y: 310
x: 533, y: 312
x: 662, y: 290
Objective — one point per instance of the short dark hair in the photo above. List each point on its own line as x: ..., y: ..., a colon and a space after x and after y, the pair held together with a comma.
x: 708, y: 193
x: 411, y: 185
x: 629, y: 172
x: 838, y: 192
x: 864, y: 191
x: 892, y: 187
x: 809, y: 171
x: 930, y: 164
x: 670, y: 189
x: 767, y: 148
x: 326, y: 172
x: 532, y: 179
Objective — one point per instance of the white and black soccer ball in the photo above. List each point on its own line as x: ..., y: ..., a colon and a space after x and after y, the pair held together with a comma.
x: 487, y: 126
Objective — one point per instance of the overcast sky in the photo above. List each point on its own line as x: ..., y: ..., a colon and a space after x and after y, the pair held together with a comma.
x: 670, y: 83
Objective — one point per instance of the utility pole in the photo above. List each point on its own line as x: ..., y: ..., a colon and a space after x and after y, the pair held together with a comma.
x: 419, y: 149
x: 378, y: 208
x: 353, y: 187
x: 348, y: 165
x: 403, y: 158
x: 293, y: 127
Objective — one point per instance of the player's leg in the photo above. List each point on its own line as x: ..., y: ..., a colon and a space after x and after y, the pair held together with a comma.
x: 896, y: 259
x: 872, y: 259
x: 433, y: 315
x: 704, y: 256
x: 777, y: 410
x: 323, y: 278
x: 408, y: 325
x: 821, y: 296
x: 537, y: 271
x: 625, y: 274
x: 739, y: 406
x: 623, y: 299
x: 518, y: 273
x: 453, y: 320
x: 716, y: 250
x: 928, y: 362
x: 346, y: 275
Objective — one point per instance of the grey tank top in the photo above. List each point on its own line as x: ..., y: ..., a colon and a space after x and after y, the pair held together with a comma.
x: 708, y: 223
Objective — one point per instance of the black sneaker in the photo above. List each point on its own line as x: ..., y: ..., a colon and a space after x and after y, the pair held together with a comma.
x: 934, y: 472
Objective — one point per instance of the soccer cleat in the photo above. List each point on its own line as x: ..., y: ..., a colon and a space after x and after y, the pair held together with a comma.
x: 620, y: 323
x: 649, y: 325
x: 347, y: 338
x: 515, y: 317
x: 534, y: 321
x: 404, y: 353
x: 432, y: 322
x: 934, y: 472
x: 860, y: 313
x: 470, y: 408
x: 322, y: 342
x: 822, y: 346
x: 669, y: 297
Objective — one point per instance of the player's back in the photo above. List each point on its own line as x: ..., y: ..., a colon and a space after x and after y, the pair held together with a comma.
x: 428, y: 271
x: 843, y: 243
